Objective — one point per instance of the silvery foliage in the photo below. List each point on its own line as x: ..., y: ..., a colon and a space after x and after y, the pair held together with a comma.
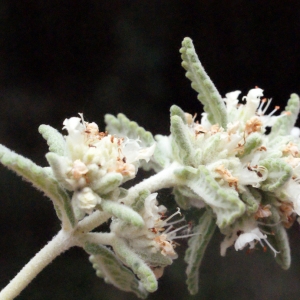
x: 224, y: 166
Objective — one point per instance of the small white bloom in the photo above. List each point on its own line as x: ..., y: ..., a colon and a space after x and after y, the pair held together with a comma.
x: 86, y: 200
x: 248, y: 238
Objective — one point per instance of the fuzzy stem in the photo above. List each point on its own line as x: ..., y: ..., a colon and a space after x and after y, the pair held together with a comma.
x: 92, y: 221
x: 161, y: 180
x: 60, y: 243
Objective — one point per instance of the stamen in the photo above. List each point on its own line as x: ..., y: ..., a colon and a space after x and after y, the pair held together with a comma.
x: 175, y: 222
x: 176, y: 213
x: 186, y: 236
x: 273, y: 111
x: 82, y: 120
x: 271, y: 247
x: 267, y: 106
x: 259, y: 109
x: 178, y: 229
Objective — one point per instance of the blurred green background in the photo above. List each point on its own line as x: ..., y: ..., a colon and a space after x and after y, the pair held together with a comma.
x: 58, y: 58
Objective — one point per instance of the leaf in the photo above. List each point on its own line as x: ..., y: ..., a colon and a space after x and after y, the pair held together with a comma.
x: 279, y: 172
x: 123, y: 127
x: 139, y: 202
x: 113, y: 271
x: 122, y: 212
x: 182, y: 146
x: 107, y: 183
x: 225, y: 202
x: 287, y: 120
x: 196, y: 250
x: 252, y: 201
x: 42, y: 180
x: 55, y: 140
x: 181, y: 199
x: 253, y: 141
x: 177, y: 111
x: 138, y: 266
x: 279, y: 240
x: 208, y: 95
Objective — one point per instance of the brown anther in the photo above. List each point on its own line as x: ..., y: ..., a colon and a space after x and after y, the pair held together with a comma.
x: 262, y: 148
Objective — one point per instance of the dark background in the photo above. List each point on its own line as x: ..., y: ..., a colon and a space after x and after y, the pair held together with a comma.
x: 58, y: 58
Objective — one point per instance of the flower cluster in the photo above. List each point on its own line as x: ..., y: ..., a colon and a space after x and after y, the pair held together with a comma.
x: 94, y: 163
x: 238, y: 168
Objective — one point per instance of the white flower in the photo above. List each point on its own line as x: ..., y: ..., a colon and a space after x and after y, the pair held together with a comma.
x: 248, y: 238
x: 246, y: 235
x: 85, y: 200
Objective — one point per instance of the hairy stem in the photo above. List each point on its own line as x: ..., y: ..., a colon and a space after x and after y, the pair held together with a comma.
x: 60, y: 243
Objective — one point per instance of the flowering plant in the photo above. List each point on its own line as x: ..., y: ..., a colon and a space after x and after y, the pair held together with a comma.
x: 225, y: 166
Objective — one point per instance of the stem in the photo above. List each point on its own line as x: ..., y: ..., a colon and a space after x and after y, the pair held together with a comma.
x: 161, y: 180
x: 92, y: 221
x: 60, y: 243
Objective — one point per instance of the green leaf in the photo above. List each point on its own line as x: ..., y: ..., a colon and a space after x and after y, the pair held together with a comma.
x: 253, y: 141
x: 154, y: 259
x: 122, y: 126
x: 122, y: 212
x: 57, y: 163
x: 139, y: 202
x: 107, y: 183
x: 225, y: 202
x: 42, y: 180
x: 252, y: 198
x: 113, y: 271
x: 177, y: 111
x: 182, y: 146
x: 287, y: 120
x: 55, y: 140
x: 197, y: 246
x: 181, y: 199
x: 209, y: 96
x: 279, y: 172
x: 279, y: 240
x: 138, y: 266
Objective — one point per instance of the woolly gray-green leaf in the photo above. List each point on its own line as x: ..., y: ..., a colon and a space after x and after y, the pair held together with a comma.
x: 123, y: 127
x: 41, y: 179
x: 208, y: 94
x: 138, y: 266
x: 113, y: 271
x: 122, y: 212
x: 197, y: 246
x: 286, y: 121
x: 252, y: 198
x: 181, y: 199
x: 225, y: 202
x: 57, y: 162
x: 139, y: 201
x: 154, y: 259
x: 177, y: 111
x: 107, y: 183
x: 183, y: 147
x: 55, y: 140
x: 252, y: 142
x: 279, y: 172
x: 279, y: 240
